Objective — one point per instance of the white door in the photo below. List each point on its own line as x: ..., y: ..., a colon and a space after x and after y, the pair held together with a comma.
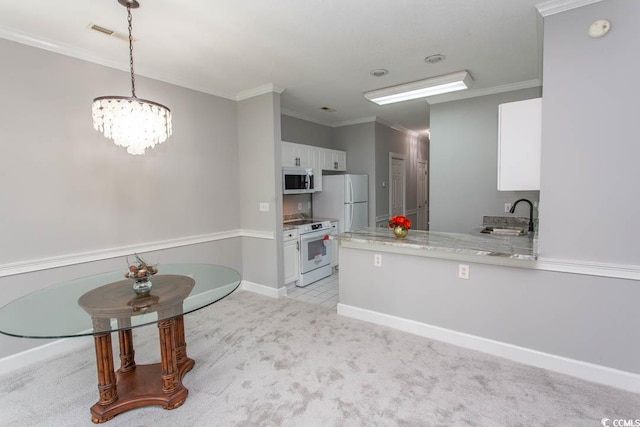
x: 396, y: 184
x: 423, y: 197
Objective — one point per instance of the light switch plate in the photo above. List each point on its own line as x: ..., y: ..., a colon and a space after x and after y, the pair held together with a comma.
x: 264, y: 207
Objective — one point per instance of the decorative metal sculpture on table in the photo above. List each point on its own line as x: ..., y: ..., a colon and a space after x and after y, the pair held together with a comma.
x: 141, y: 271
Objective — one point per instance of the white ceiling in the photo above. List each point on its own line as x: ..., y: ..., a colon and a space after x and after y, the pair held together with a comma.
x: 320, y: 52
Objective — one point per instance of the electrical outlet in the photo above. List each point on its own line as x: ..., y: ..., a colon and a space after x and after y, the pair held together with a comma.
x: 299, y: 206
x: 507, y: 207
x: 264, y: 207
x: 463, y: 271
x: 377, y: 260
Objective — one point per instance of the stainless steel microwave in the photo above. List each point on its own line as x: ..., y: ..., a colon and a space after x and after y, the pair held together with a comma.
x: 297, y: 180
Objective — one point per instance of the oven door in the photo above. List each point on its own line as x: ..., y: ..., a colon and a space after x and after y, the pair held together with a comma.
x: 315, y: 250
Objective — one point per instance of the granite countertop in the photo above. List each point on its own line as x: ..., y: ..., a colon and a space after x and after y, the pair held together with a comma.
x: 513, y: 247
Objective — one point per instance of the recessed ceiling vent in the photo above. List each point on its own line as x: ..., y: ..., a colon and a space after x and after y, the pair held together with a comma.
x: 379, y: 72
x: 107, y: 31
x: 434, y: 59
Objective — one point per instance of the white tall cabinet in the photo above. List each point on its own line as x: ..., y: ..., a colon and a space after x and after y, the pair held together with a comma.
x: 291, y: 257
x: 519, y: 140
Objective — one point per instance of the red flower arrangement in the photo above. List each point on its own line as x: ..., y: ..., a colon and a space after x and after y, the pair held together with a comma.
x: 400, y: 221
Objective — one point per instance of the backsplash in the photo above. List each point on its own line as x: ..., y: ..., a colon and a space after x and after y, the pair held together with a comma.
x: 507, y: 221
x: 292, y: 202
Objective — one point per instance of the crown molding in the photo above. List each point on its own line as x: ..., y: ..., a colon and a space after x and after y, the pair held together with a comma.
x: 473, y: 93
x: 552, y: 7
x: 396, y: 126
x: 296, y: 115
x: 83, y: 55
x: 354, y: 121
x: 257, y: 91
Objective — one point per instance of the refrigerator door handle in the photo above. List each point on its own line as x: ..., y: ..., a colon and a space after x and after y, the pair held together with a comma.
x: 350, y: 218
x: 350, y: 192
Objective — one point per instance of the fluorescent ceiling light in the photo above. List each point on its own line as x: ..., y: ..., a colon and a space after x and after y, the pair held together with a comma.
x: 421, y: 89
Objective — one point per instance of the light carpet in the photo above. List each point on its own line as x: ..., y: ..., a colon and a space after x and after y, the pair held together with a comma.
x: 281, y: 362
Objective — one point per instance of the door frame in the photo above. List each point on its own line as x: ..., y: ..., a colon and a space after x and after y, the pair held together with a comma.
x: 423, y: 165
x: 397, y: 156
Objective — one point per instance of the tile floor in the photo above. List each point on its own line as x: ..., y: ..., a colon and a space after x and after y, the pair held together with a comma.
x: 323, y: 292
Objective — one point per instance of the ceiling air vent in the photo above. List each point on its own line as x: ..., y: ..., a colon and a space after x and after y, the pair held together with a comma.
x: 107, y: 31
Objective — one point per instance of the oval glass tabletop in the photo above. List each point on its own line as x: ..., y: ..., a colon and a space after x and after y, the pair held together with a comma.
x: 107, y: 302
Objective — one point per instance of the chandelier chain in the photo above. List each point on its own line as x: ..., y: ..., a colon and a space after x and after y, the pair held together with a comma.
x: 133, y: 78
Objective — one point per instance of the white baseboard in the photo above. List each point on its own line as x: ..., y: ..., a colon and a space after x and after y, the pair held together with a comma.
x: 264, y: 290
x: 44, y: 352
x: 583, y: 370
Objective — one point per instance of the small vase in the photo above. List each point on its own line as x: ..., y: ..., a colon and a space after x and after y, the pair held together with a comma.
x: 400, y: 232
x: 142, y: 286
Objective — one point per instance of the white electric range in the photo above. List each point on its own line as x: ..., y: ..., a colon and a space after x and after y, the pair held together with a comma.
x: 315, y: 249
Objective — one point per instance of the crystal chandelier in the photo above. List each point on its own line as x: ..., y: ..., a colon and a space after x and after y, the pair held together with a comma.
x: 131, y: 122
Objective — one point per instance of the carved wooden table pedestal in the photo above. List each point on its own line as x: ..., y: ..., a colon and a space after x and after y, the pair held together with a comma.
x: 134, y: 386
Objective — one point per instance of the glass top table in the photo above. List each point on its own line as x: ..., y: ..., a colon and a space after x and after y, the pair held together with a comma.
x: 54, y: 312
x: 105, y: 303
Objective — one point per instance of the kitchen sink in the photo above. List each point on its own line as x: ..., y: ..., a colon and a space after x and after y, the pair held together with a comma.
x: 505, y: 231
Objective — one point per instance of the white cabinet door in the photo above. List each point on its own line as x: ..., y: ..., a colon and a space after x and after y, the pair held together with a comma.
x: 297, y: 155
x: 334, y: 160
x: 288, y: 155
x: 291, y: 257
x: 318, y: 159
x: 339, y: 159
x: 519, y: 138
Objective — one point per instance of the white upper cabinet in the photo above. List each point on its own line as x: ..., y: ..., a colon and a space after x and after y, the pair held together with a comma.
x: 519, y: 138
x: 318, y: 158
x: 297, y: 155
x: 339, y: 160
x: 318, y: 161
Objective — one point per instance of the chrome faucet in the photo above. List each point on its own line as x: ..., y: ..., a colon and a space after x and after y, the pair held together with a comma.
x: 513, y: 209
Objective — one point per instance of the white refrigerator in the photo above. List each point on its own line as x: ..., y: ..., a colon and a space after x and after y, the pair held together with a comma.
x: 345, y: 198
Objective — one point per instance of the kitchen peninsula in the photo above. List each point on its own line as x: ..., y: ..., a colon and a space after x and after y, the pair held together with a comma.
x: 485, y: 292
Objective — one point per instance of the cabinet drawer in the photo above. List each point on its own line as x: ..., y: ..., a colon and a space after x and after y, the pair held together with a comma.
x: 289, y: 235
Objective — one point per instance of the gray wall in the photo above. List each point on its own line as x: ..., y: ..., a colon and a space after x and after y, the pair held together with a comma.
x: 590, y: 146
x: 569, y: 315
x: 463, y: 163
x: 389, y: 140
x: 260, y: 151
x: 359, y: 143
x: 66, y: 190
x: 305, y: 132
